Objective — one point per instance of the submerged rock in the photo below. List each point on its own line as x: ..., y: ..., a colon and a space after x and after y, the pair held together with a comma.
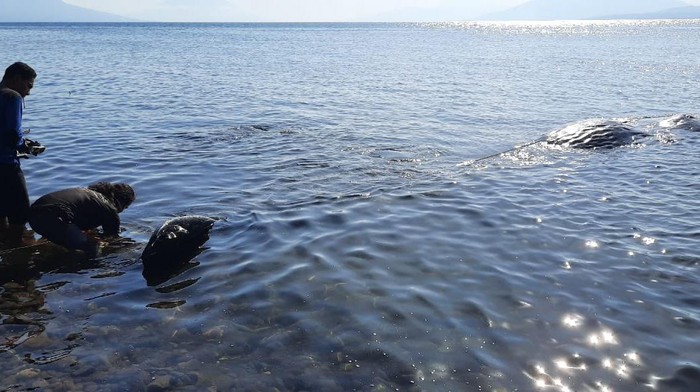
x: 169, y: 380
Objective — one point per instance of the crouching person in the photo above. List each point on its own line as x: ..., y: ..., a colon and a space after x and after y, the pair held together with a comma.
x: 64, y: 216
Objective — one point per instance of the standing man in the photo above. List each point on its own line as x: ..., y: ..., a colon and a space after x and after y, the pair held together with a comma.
x: 14, y: 199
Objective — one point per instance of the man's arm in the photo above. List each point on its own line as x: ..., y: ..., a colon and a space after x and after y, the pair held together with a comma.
x: 12, y: 126
x: 111, y: 222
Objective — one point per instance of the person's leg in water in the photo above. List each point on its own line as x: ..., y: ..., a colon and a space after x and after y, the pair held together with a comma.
x: 3, y: 231
x: 14, y: 205
x: 63, y: 233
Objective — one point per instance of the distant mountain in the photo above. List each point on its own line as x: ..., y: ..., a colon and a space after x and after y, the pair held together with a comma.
x: 51, y: 11
x: 689, y: 12
x: 582, y: 9
x: 416, y: 14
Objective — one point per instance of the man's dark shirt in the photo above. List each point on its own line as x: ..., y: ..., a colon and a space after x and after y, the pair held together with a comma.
x: 10, y: 126
x: 85, y: 208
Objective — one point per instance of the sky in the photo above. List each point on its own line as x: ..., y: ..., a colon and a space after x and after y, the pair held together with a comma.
x: 298, y: 10
x: 287, y: 10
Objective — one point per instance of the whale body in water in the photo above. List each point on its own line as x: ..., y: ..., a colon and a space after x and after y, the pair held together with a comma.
x: 686, y: 122
x: 595, y: 134
x: 606, y: 134
x: 173, y: 245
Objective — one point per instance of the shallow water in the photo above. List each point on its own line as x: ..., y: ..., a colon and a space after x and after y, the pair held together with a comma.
x: 359, y: 245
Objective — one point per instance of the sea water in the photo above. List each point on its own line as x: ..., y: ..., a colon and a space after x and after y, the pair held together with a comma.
x: 361, y: 242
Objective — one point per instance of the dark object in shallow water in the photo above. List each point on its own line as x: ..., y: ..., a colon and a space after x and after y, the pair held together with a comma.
x: 595, y: 134
x: 173, y: 245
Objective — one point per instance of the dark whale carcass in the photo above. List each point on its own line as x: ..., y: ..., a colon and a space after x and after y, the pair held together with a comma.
x: 595, y: 134
x: 173, y: 245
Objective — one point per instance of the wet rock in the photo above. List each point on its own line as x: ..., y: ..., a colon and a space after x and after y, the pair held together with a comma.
x: 183, y: 335
x: 316, y: 382
x: 40, y: 384
x: 381, y: 387
x: 92, y: 387
x: 214, y: 333
x: 38, y: 341
x: 165, y: 381
x: 107, y: 330
x: 62, y: 385
x: 238, y: 349
x: 20, y: 301
x: 12, y: 286
x: 90, y: 365
x: 125, y: 380
x: 73, y: 336
x: 27, y: 374
x: 160, y: 383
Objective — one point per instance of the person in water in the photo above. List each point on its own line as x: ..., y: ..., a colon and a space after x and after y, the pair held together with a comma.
x: 64, y: 217
x: 16, y: 84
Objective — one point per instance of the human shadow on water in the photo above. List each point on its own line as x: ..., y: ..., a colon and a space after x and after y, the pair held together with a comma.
x: 23, y: 306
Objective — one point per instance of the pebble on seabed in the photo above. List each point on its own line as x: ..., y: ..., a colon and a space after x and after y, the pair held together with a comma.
x: 27, y: 373
x: 41, y: 340
x: 214, y: 333
x: 163, y: 382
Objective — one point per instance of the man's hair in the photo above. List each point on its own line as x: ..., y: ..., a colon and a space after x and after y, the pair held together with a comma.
x: 19, y: 69
x: 121, y: 195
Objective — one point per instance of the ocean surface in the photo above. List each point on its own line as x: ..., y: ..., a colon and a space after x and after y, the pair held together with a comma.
x: 362, y: 244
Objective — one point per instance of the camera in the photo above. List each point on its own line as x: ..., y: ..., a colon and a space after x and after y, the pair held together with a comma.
x: 35, y: 148
x: 30, y: 147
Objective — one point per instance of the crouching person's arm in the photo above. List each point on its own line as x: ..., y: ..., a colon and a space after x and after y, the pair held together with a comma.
x: 111, y: 223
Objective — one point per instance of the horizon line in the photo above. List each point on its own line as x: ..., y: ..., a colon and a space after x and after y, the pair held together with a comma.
x: 353, y: 22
